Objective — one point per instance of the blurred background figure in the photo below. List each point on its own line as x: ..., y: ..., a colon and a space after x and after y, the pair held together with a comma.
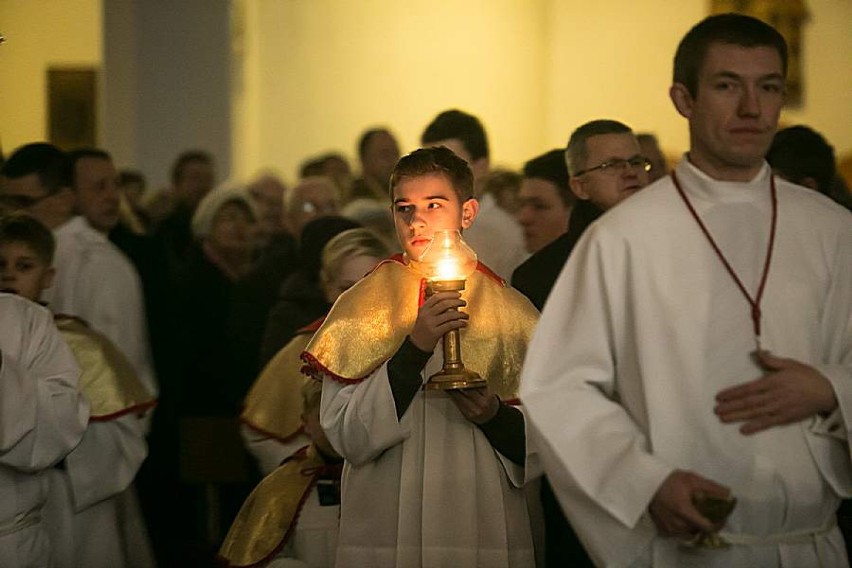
x: 331, y: 165
x: 545, y: 200
x: 504, y: 185
x: 378, y: 153
x: 802, y: 155
x: 651, y: 150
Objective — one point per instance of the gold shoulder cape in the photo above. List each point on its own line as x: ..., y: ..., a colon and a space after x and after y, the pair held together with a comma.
x: 108, y: 380
x: 269, y: 515
x: 273, y: 406
x: 369, y: 322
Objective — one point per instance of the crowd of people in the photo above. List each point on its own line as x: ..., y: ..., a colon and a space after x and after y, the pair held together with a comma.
x: 238, y: 374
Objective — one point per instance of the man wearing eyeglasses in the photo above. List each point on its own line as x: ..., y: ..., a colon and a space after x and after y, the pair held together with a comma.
x: 37, y: 178
x: 605, y: 163
x: 313, y: 197
x: 697, y: 348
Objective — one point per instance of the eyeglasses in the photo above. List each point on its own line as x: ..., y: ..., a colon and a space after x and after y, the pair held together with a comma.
x: 20, y: 202
x: 619, y: 165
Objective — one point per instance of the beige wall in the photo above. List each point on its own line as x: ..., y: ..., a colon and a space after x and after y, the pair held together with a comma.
x: 40, y: 34
x: 319, y: 71
x: 310, y: 75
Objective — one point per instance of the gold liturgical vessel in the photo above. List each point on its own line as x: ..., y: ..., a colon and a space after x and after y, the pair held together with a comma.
x: 716, y: 510
x: 446, y: 263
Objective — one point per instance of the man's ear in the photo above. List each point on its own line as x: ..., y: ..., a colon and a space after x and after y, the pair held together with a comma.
x: 576, y: 185
x: 470, y: 209
x: 682, y: 99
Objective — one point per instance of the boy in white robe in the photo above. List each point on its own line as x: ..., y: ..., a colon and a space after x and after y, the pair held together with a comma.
x: 82, y: 513
x: 42, y: 418
x: 432, y: 477
x: 644, y: 381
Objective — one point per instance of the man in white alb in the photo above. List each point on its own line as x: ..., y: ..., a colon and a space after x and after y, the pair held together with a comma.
x: 700, y: 340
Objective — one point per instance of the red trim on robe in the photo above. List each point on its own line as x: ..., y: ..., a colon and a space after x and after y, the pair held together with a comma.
x: 139, y: 409
x: 285, y: 439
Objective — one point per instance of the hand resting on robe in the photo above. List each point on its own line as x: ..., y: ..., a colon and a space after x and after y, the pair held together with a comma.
x: 789, y: 392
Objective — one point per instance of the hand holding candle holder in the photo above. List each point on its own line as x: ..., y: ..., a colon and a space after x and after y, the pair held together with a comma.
x: 446, y: 263
x: 716, y: 510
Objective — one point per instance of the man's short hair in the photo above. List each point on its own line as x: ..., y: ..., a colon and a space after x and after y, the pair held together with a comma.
x: 551, y: 167
x: 734, y: 29
x: 187, y: 157
x: 23, y: 228
x: 459, y: 125
x: 46, y: 160
x: 799, y: 152
x: 364, y: 141
x: 75, y: 156
x: 437, y: 160
x: 577, y: 153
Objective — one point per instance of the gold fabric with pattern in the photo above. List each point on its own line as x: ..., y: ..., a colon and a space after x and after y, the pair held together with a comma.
x: 273, y: 406
x: 108, y: 380
x: 270, y: 512
x: 369, y: 322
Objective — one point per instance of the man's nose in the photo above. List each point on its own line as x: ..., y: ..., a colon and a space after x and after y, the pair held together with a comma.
x: 749, y: 102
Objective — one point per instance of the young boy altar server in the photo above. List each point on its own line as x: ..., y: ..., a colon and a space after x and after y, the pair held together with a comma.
x: 432, y: 477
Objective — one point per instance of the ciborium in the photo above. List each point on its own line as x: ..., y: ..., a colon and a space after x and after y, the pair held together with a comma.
x: 716, y: 510
x: 446, y: 264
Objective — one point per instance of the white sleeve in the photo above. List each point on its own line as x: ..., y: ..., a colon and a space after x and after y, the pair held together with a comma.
x: 42, y: 414
x: 360, y: 419
x: 107, y: 460
x: 836, y: 366
x: 268, y: 451
x: 115, y: 307
x: 589, y: 445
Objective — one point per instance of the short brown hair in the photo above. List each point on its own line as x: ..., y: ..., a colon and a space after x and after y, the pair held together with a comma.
x: 437, y: 160
x: 23, y: 228
x: 734, y: 29
x: 577, y: 152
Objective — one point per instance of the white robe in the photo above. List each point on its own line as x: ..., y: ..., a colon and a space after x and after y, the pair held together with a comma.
x: 497, y: 238
x: 97, y: 283
x: 42, y: 418
x: 90, y: 497
x: 427, y: 490
x: 644, y: 327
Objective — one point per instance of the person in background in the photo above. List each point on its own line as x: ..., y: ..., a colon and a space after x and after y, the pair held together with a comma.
x: 270, y: 424
x: 651, y: 151
x: 802, y: 155
x: 545, y: 200
x: 496, y: 237
x: 504, y: 185
x: 43, y: 418
x: 86, y: 514
x: 378, y: 152
x: 291, y: 519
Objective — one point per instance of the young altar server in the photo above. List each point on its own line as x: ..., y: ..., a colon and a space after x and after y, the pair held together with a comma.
x: 432, y: 477
x: 82, y: 510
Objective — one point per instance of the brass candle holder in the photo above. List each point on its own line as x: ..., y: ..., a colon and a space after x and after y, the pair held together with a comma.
x: 446, y: 263
x: 716, y: 510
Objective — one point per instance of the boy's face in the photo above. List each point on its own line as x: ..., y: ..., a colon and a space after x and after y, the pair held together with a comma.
x: 22, y: 271
x: 425, y: 204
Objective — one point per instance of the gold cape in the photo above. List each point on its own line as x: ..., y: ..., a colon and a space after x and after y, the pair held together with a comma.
x: 273, y: 406
x: 369, y: 322
x: 270, y: 513
x: 108, y: 380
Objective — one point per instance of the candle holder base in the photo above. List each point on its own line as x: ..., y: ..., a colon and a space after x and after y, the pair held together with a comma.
x: 455, y: 379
